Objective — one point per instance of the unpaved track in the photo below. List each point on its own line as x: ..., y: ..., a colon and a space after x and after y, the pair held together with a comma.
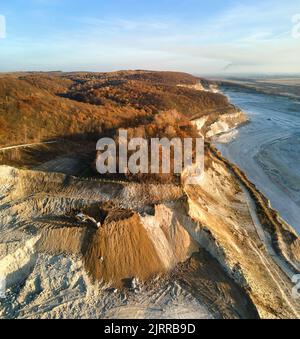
x: 9, y: 148
x: 277, y: 260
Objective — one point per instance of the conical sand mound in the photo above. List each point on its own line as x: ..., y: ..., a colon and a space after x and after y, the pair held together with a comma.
x: 121, y: 250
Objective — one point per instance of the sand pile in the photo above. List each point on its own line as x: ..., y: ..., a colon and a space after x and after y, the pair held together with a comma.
x: 137, y: 247
x: 122, y: 250
x: 130, y: 243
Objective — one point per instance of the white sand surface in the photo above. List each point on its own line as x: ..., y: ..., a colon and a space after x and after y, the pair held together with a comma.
x: 261, y: 150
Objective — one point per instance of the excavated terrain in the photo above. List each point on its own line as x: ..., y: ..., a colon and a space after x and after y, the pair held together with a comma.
x: 195, y: 251
x: 74, y: 244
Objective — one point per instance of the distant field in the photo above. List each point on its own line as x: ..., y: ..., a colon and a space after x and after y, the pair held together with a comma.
x: 286, y: 86
x: 283, y: 81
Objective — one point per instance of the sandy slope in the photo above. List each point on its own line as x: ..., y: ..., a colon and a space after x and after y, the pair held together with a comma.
x: 43, y: 249
x: 222, y: 208
x: 58, y: 267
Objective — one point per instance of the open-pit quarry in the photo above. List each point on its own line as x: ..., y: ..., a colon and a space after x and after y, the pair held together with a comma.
x: 215, y: 250
x: 76, y: 245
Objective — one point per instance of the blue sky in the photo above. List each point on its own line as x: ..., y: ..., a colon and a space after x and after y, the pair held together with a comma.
x: 193, y: 35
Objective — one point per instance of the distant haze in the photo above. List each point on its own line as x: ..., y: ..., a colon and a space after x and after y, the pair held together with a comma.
x: 196, y: 36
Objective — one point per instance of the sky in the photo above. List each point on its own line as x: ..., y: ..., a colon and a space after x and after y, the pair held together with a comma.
x: 195, y: 36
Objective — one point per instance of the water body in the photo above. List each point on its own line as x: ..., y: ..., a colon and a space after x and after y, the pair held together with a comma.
x: 268, y: 149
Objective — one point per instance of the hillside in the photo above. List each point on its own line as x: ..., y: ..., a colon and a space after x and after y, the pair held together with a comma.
x: 41, y: 106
